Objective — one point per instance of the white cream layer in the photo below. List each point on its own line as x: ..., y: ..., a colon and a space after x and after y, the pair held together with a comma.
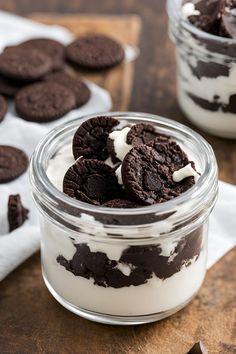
x: 154, y: 296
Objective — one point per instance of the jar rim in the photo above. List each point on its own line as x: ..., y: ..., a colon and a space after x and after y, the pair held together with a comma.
x: 51, y: 195
x: 174, y: 12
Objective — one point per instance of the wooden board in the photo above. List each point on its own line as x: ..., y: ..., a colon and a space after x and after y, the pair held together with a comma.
x: 31, y: 321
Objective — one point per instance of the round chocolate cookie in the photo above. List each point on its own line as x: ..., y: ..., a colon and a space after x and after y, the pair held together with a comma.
x: 120, y: 203
x: 9, y: 87
x: 91, y: 181
x: 147, y: 175
x: 13, y: 163
x: 90, y: 139
x: 52, y: 48
x: 171, y: 153
x: 17, y: 214
x: 3, y: 108
x: 143, y: 133
x: 95, y: 52
x: 44, y: 102
x: 24, y: 64
x: 76, y: 85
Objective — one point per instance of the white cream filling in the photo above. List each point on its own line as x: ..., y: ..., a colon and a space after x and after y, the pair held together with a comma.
x: 119, y: 138
x: 189, y: 9
x: 119, y: 175
x: 186, y: 171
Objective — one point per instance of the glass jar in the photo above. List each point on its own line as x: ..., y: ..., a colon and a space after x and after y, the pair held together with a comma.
x: 206, y: 75
x: 124, y: 266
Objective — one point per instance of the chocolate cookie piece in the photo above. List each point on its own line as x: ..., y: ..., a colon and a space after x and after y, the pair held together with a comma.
x: 13, y: 163
x: 143, y: 133
x: 95, y: 52
x: 17, y: 214
x: 52, y: 48
x: 76, y: 85
x: 207, y: 20
x: 90, y: 139
x: 3, y: 107
x: 228, y: 19
x: 9, y: 87
x: 147, y: 173
x: 24, y: 64
x: 91, y: 181
x: 120, y: 203
x: 198, y: 348
x: 44, y: 102
x: 141, y: 262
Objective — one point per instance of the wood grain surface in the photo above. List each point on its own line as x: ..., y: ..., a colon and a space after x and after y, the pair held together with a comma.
x: 31, y: 321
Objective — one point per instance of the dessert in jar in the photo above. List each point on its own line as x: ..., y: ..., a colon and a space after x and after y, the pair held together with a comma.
x: 124, y: 202
x: 204, y: 32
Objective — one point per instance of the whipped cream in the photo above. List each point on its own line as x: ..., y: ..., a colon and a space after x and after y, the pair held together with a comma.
x: 189, y: 9
x: 186, y: 171
x: 119, y: 138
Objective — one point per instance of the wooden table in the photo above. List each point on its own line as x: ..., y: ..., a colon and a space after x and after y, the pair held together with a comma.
x: 31, y: 321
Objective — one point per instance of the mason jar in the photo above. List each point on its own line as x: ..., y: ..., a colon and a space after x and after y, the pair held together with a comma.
x: 123, y: 266
x: 206, y: 74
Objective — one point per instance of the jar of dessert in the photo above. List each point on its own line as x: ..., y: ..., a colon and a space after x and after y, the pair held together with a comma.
x: 124, y: 203
x: 204, y: 33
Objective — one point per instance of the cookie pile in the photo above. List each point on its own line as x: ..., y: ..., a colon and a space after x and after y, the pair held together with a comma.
x: 34, y: 74
x: 124, y: 166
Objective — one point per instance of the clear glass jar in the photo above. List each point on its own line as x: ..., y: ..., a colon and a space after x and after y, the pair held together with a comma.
x: 206, y: 75
x: 135, y: 265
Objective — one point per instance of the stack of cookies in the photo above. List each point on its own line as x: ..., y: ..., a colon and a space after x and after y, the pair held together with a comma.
x: 34, y: 74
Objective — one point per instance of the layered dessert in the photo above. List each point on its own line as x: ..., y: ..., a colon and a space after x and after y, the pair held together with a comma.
x: 143, y: 263
x: 206, y: 64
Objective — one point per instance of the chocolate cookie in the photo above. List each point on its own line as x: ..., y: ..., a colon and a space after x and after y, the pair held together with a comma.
x: 147, y: 173
x: 17, y: 214
x: 95, y: 52
x: 24, y: 64
x: 120, y: 203
x: 208, y: 17
x: 90, y: 139
x: 143, y: 133
x: 9, y: 87
x: 140, y: 133
x: 44, y: 102
x: 3, y: 108
x: 76, y: 85
x: 13, y: 162
x: 52, y: 48
x: 91, y: 181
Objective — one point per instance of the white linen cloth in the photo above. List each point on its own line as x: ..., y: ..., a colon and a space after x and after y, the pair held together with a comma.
x: 17, y: 246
